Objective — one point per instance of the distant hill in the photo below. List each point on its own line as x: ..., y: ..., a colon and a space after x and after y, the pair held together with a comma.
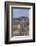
x: 20, y: 18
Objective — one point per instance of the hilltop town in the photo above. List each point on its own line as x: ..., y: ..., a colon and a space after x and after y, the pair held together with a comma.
x: 21, y: 26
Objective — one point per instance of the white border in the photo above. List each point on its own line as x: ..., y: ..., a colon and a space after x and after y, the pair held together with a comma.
x: 30, y: 26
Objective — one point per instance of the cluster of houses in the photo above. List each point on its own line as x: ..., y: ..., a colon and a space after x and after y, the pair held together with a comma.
x: 21, y: 26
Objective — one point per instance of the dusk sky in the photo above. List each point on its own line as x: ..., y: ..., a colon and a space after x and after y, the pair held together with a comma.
x: 20, y: 12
